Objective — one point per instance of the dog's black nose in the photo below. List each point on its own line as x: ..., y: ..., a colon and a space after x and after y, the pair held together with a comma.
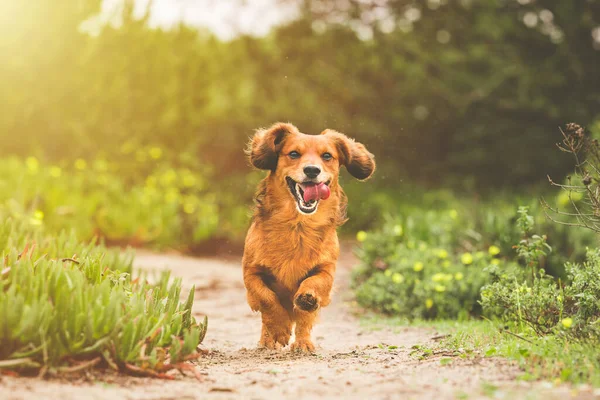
x: 312, y: 171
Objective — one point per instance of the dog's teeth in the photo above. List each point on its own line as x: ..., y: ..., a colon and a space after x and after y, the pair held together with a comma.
x: 298, y: 191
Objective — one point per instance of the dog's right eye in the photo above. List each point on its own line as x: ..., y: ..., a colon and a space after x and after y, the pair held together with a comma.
x: 294, y: 154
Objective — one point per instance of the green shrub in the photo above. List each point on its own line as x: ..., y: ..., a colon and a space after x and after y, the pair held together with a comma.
x: 440, y: 220
x: 531, y: 299
x: 65, y: 306
x: 583, y: 296
x: 147, y: 202
x: 402, y: 276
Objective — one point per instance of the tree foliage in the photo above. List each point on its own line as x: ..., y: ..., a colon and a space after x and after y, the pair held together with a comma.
x: 441, y: 91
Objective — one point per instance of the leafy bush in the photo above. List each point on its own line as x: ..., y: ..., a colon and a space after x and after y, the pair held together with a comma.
x: 146, y: 202
x: 531, y: 299
x: 425, y: 283
x: 439, y: 221
x: 530, y: 296
x: 419, y: 270
x: 582, y: 296
x: 467, y: 221
x: 66, y: 306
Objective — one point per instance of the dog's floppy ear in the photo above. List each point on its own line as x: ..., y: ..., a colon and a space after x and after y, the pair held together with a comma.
x: 355, y: 156
x: 263, y: 149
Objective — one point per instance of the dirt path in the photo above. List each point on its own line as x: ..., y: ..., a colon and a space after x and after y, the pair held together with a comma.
x: 349, y: 363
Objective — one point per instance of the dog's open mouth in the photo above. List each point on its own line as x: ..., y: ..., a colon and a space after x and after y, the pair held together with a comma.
x: 308, y: 194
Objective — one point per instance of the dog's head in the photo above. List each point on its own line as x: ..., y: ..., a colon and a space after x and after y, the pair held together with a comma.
x: 308, y: 165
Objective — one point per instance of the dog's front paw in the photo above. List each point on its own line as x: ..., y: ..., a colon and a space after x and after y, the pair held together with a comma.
x: 269, y: 343
x: 306, y: 302
x: 303, y: 346
x: 275, y: 339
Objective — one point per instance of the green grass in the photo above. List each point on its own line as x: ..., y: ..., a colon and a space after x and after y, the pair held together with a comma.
x: 66, y: 306
x: 550, y: 357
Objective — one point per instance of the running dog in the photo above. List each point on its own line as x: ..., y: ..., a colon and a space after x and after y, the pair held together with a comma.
x: 292, y: 247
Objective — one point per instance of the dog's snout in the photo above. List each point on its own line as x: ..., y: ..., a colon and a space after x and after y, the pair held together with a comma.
x: 312, y: 171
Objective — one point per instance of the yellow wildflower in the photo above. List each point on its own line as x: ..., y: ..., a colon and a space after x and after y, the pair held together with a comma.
x: 397, y: 278
x: 388, y: 272
x: 418, y: 266
x: 494, y: 250
x: 171, y: 196
x: 428, y: 303
x: 35, y: 222
x: 80, y: 164
x: 438, y: 277
x: 458, y: 276
x: 440, y: 288
x: 102, y: 179
x: 446, y: 264
x: 151, y: 181
x: 55, y: 172
x: 155, y: 153
x: 37, y: 218
x: 32, y: 164
x: 101, y: 165
x: 466, y: 258
x: 398, y: 231
x: 168, y: 177
x: 189, y: 180
x: 495, y: 261
x: 453, y: 214
x: 361, y: 236
x: 189, y: 208
x: 567, y: 322
x: 441, y: 253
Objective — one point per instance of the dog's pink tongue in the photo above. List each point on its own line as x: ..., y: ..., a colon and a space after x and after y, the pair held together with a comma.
x: 315, y: 192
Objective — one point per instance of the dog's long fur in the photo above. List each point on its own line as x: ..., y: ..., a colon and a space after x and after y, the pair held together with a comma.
x: 290, y: 257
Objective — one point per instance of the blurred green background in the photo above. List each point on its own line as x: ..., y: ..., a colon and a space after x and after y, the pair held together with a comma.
x: 135, y: 132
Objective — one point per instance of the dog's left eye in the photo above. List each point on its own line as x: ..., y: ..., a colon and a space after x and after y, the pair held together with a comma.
x: 327, y: 156
x: 294, y: 154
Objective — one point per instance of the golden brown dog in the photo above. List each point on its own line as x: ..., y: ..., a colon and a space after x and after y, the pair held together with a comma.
x: 292, y: 247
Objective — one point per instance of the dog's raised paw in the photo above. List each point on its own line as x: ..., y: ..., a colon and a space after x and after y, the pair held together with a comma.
x: 307, y: 302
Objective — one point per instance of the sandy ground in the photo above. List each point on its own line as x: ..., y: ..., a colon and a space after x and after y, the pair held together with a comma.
x: 350, y: 362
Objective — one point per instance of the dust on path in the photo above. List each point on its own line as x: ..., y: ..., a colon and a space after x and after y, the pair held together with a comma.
x: 349, y: 363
